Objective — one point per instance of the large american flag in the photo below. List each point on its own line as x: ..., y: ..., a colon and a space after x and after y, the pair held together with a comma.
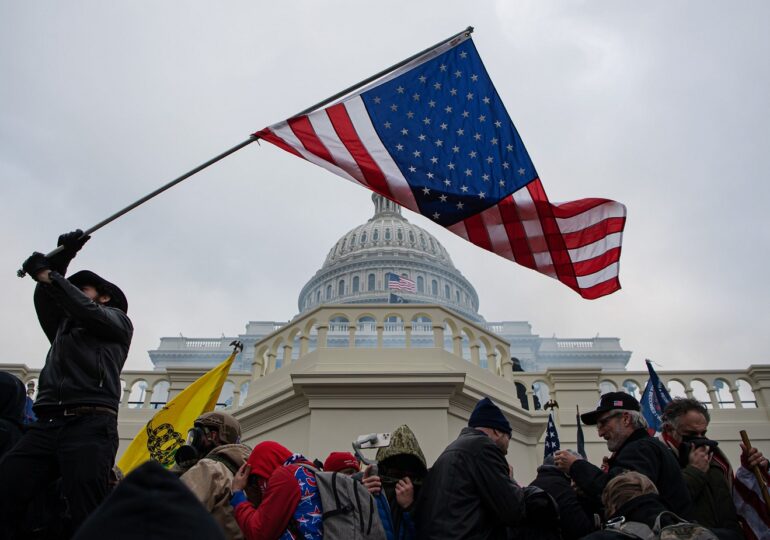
x: 400, y: 283
x: 435, y: 137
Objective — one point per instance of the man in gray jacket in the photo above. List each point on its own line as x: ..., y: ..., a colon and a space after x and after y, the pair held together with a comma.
x: 75, y: 437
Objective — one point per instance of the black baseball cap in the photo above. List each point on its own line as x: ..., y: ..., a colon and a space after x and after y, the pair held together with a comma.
x: 611, y: 401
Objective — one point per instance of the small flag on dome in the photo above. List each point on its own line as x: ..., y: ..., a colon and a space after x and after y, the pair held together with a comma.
x: 400, y: 283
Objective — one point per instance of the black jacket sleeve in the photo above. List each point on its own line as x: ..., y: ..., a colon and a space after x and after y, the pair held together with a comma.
x: 107, y: 323
x: 49, y: 312
x: 499, y: 492
x: 589, y: 478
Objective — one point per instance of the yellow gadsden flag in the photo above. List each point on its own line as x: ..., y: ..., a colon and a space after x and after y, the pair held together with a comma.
x: 167, y: 431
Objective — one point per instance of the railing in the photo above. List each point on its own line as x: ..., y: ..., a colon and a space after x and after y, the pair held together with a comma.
x: 575, y: 344
x: 394, y: 326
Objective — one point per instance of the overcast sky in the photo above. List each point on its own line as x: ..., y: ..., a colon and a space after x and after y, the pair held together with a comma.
x: 662, y: 106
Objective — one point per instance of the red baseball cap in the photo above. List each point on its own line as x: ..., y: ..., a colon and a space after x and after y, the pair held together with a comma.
x: 338, y: 461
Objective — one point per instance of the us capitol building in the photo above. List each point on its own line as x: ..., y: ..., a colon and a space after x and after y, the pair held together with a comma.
x: 352, y: 362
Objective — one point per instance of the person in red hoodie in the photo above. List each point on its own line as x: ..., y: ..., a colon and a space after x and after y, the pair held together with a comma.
x: 276, y: 497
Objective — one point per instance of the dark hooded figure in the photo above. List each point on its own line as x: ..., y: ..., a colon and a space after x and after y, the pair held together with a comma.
x: 402, y: 469
x: 13, y: 399
x: 152, y: 504
x: 75, y: 437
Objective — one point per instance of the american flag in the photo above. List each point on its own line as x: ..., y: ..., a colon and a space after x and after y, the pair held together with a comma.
x: 400, y: 283
x: 434, y: 136
x: 551, y: 438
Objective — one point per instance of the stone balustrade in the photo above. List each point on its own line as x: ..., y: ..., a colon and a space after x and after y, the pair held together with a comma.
x: 381, y: 326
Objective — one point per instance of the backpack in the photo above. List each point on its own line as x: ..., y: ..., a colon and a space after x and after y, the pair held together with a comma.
x: 680, y: 530
x: 349, y: 510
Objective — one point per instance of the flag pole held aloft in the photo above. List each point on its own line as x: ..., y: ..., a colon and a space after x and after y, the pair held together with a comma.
x: 21, y: 273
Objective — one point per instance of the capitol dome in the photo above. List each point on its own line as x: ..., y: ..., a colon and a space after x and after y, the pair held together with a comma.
x: 355, y: 270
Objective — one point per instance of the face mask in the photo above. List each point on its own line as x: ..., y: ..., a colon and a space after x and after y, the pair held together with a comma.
x: 693, y: 441
x: 194, y: 449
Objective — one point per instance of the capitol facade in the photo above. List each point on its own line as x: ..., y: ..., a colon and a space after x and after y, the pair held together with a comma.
x: 353, y: 362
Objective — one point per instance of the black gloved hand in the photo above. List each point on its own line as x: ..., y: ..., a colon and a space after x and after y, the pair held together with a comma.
x: 73, y: 241
x: 35, y: 263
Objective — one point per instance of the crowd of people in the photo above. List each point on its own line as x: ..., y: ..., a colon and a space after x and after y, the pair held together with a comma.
x: 58, y: 478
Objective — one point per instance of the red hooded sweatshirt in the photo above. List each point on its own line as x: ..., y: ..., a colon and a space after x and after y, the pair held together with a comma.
x: 280, y: 499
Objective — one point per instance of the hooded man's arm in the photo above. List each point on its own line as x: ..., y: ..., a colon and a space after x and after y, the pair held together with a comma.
x: 111, y: 324
x: 270, y: 519
x: 498, y: 491
x: 590, y: 478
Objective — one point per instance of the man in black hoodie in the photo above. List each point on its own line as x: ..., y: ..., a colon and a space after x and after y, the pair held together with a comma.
x: 75, y: 437
x: 13, y: 400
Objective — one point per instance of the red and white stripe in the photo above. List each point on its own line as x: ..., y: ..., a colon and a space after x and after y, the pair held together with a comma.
x: 577, y: 242
x: 403, y: 284
x: 750, y: 505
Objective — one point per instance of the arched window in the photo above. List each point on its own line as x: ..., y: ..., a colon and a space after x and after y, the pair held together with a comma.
x: 353, y: 240
x: 341, y: 287
x: 400, y: 235
x: 328, y: 292
x: 420, y: 284
x: 422, y: 242
x: 434, y: 287
x: 356, y: 284
x: 446, y: 291
x: 376, y: 235
x: 411, y: 237
x: 363, y: 237
x: 318, y: 296
x: 387, y: 234
x: 457, y: 296
x: 370, y: 282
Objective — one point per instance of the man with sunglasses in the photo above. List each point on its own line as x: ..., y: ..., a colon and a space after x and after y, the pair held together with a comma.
x: 618, y: 421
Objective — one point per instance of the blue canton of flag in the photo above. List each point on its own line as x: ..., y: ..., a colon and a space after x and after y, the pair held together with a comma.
x: 654, y: 400
x: 447, y: 129
x: 551, y: 438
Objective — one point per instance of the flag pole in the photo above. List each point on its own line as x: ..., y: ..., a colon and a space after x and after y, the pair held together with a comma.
x: 21, y: 273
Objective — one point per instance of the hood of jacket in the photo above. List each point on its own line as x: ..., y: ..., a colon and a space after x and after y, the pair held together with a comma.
x: 644, y: 509
x: 151, y: 503
x: 237, y: 453
x: 266, y: 457
x: 403, y: 443
x: 13, y: 398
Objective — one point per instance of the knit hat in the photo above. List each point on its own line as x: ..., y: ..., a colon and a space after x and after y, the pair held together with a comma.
x: 229, y: 428
x: 487, y: 414
x: 338, y: 461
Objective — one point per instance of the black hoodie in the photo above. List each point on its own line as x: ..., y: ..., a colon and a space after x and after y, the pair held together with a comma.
x: 151, y: 503
x: 13, y: 399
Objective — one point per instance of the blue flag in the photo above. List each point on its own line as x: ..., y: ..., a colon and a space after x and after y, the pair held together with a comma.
x: 654, y: 399
x: 551, y: 438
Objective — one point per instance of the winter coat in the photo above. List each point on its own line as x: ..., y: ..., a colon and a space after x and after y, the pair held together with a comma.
x: 646, y: 455
x: 291, y: 500
x: 211, y: 479
x: 151, y: 504
x: 709, y: 490
x: 468, y: 493
x: 643, y: 509
x: 89, y: 345
x: 13, y: 400
x: 575, y: 520
x: 403, y: 454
